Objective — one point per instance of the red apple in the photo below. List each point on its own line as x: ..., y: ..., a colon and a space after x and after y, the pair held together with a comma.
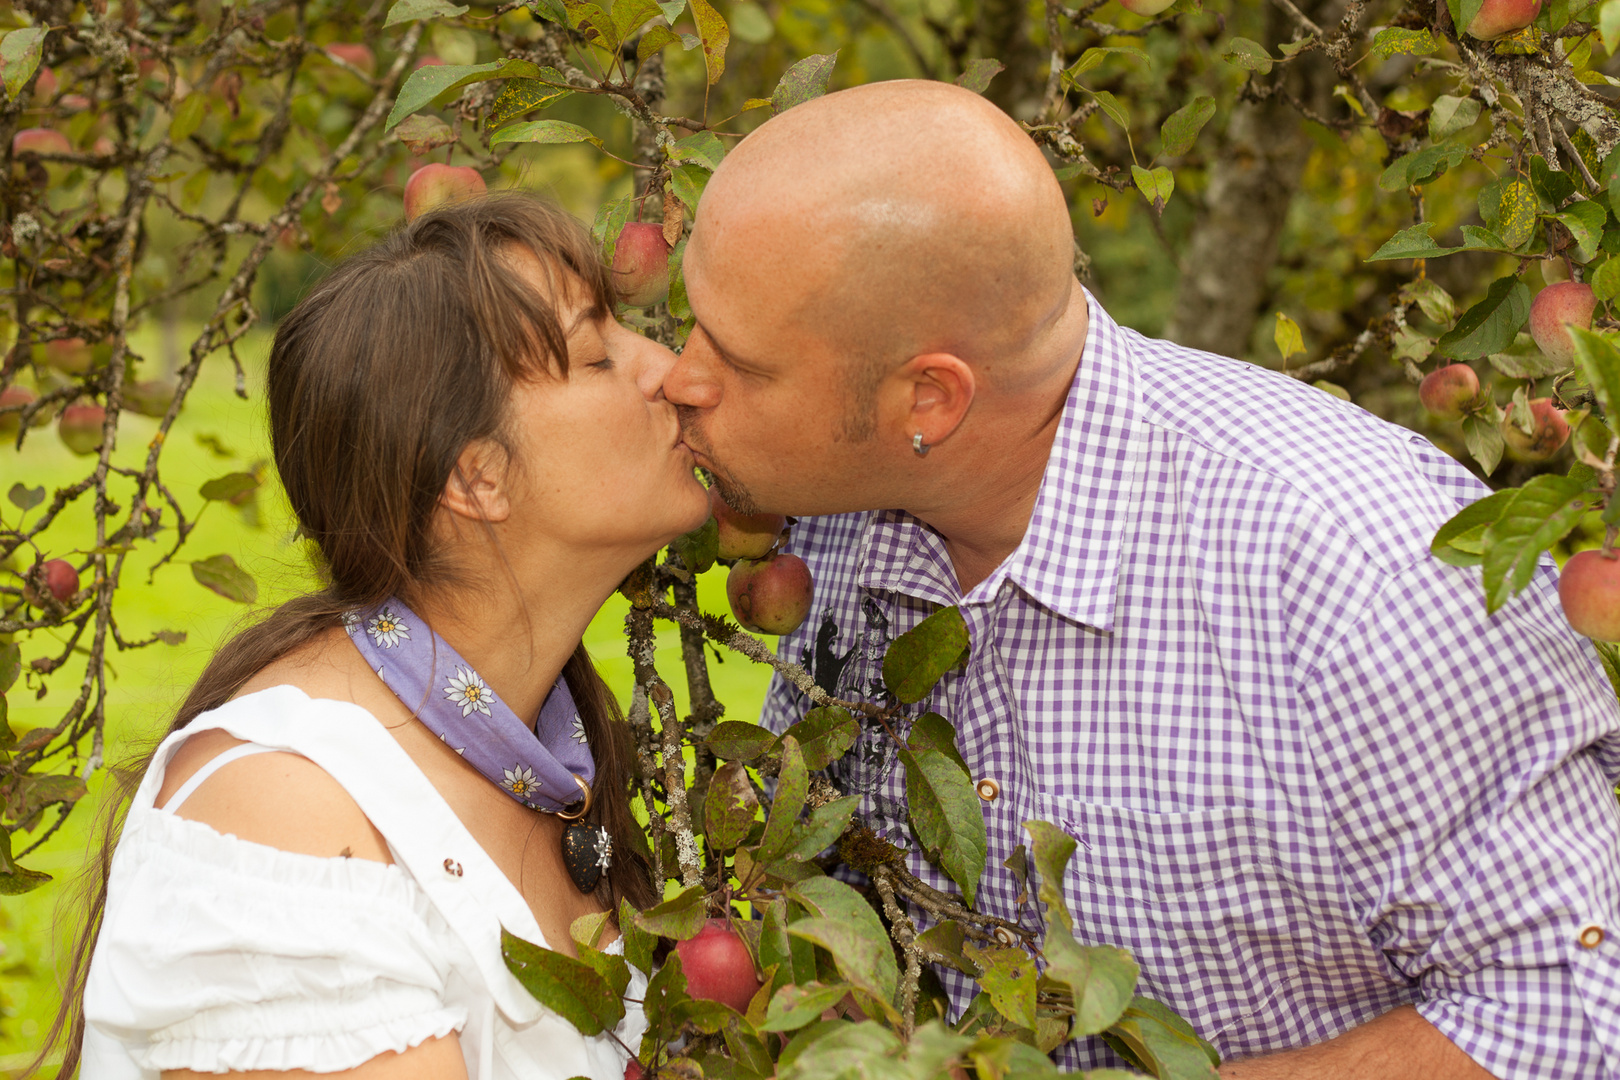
x: 40, y: 141
x: 1555, y: 309
x: 1550, y: 434
x: 150, y: 397
x: 103, y: 146
x: 717, y: 966
x: 354, y: 54
x: 1446, y: 391
x: 80, y: 427
x: 438, y: 185
x: 633, y: 1070
x: 1589, y: 590
x: 74, y: 103
x: 771, y: 595
x: 58, y: 578
x: 641, y: 264
x: 743, y: 536
x: 13, y: 397
x: 432, y: 61
x: 1145, y: 7
x: 71, y: 356
x: 1498, y: 17
x: 45, y: 85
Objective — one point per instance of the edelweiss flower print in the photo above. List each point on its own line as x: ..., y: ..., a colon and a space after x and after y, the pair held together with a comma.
x: 387, y: 629
x: 521, y: 782
x: 535, y: 759
x: 470, y: 692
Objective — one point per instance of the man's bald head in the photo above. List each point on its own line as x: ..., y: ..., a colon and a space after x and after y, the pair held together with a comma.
x: 891, y: 220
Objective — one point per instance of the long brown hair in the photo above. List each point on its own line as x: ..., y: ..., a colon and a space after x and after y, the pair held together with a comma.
x: 378, y: 379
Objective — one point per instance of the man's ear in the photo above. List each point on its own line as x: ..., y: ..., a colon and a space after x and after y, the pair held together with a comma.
x: 476, y: 489
x: 936, y: 391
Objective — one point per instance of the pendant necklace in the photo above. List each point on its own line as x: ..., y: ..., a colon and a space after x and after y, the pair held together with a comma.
x: 548, y: 768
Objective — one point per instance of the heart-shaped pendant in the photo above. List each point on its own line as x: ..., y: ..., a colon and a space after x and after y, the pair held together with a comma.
x: 587, y: 852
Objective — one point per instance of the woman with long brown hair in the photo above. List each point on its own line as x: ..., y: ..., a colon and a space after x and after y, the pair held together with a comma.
x: 366, y: 786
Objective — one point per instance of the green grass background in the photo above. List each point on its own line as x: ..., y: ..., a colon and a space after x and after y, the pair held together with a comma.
x: 145, y: 685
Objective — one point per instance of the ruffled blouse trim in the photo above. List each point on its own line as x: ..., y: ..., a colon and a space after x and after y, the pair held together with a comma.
x: 321, y: 1053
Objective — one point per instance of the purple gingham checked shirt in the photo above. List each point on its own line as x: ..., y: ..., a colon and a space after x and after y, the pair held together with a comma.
x: 1309, y: 778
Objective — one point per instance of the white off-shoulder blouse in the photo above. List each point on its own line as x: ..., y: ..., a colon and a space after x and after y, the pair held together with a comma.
x: 220, y: 955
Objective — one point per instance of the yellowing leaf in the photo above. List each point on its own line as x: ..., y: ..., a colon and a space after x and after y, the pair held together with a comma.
x: 714, y: 34
x: 1288, y: 337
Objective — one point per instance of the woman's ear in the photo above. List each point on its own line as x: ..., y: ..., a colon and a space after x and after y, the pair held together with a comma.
x: 477, y: 486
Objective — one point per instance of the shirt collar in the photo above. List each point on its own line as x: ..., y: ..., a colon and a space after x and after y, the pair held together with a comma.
x: 1069, y: 558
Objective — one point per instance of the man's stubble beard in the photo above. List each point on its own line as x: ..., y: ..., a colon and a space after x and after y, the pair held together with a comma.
x: 737, y: 496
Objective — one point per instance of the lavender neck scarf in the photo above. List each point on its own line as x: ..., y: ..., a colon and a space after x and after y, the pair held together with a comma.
x: 537, y: 768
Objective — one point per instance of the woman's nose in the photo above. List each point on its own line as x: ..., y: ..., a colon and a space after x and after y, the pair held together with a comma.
x: 655, y: 363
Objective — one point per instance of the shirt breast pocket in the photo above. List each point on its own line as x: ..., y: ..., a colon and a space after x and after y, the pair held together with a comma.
x: 1199, y: 900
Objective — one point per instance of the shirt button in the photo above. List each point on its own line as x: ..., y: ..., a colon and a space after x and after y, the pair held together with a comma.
x: 1591, y: 936
x: 988, y: 789
x: 452, y: 868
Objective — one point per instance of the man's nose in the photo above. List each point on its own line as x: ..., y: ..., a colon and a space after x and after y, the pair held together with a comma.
x: 693, y: 379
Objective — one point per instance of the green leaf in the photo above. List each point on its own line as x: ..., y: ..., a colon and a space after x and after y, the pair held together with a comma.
x: 1101, y: 978
x: 824, y: 735
x: 729, y: 808
x: 1169, y: 1052
x: 679, y: 918
x: 1449, y: 115
x: 1474, y: 517
x: 1112, y: 108
x: 638, y: 943
x: 714, y: 34
x: 825, y: 824
x: 422, y: 134
x: 188, y: 116
x: 1008, y: 976
x: 948, y: 816
x: 612, y: 967
x: 545, y: 132
x: 656, y: 39
x: 427, y: 84
x: 10, y: 665
x: 610, y: 221
x: 1490, y: 325
x: 229, y: 486
x: 1540, y: 514
x: 846, y: 926
x: 1463, y: 12
x: 1609, y: 25
x: 1052, y: 848
x: 14, y: 880
x: 1609, y: 655
x: 1156, y: 184
x: 1606, y: 282
x: 1094, y: 57
x: 795, y: 960
x: 792, y: 786
x: 976, y: 74
x: 1289, y: 338
x: 689, y: 181
x: 806, y: 79
x: 1523, y: 360
x: 1247, y: 54
x: 931, y: 731
x: 522, y: 96
x: 792, y: 1007
x: 1434, y: 301
x: 631, y: 15
x: 704, y: 147
x: 1483, y: 437
x: 1599, y: 361
x: 1398, y: 41
x: 1412, y: 243
x: 920, y: 657
x: 19, y: 57
x: 1515, y: 213
x: 835, y: 1051
x: 594, y: 23
x: 1552, y: 186
x: 25, y: 498
x: 1180, y: 129
x: 220, y: 574
x: 411, y: 10
x: 1421, y: 166
x: 550, y: 10
x: 739, y: 740
x: 1585, y: 220
x: 568, y: 987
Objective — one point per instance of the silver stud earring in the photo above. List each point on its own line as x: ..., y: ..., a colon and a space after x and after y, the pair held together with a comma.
x: 919, y: 447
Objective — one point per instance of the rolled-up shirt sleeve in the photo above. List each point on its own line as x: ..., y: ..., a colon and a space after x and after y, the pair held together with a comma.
x: 1468, y: 764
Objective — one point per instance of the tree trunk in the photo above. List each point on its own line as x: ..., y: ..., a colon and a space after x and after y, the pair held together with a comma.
x: 1252, y: 181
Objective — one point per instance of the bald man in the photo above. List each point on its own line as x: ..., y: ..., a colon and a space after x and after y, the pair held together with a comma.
x: 1348, y: 825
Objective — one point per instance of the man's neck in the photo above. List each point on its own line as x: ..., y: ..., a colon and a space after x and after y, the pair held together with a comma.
x: 982, y: 508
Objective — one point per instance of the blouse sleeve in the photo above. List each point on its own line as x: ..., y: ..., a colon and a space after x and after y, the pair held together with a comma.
x: 218, y: 955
